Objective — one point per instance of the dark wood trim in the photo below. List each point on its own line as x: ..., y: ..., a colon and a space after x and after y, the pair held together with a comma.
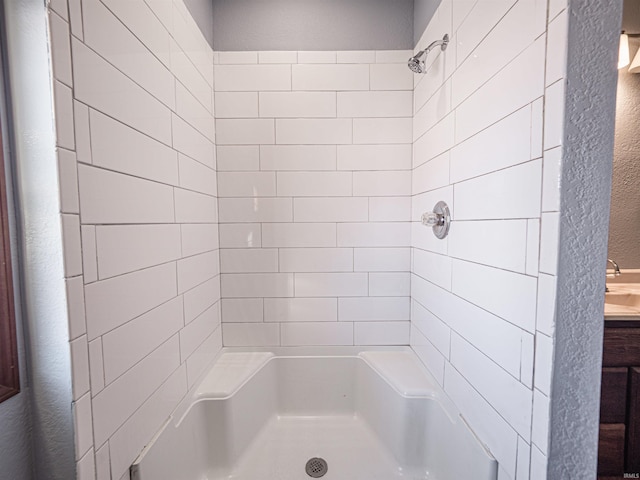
x: 611, y: 449
x: 633, y: 432
x: 9, y: 377
x: 613, y: 399
x: 621, y: 347
x: 6, y: 393
x: 618, y: 323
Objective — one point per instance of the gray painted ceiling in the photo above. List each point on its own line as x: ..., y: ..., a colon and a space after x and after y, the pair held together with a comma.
x: 230, y: 25
x: 312, y: 24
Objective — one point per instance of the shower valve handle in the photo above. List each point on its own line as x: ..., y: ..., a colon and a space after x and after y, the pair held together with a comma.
x: 431, y: 219
x: 439, y: 220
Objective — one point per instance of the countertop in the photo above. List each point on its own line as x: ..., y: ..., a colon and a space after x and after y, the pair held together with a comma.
x: 622, y: 301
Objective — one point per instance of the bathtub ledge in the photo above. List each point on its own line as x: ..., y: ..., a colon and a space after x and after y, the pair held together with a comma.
x: 403, y: 372
x: 229, y: 373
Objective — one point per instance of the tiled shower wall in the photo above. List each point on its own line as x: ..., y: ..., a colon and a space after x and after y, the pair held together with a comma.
x: 316, y: 177
x: 133, y: 85
x: 314, y: 159
x: 487, y: 133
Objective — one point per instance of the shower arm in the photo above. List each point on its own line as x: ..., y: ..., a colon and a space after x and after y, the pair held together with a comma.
x: 438, y: 43
x: 416, y: 63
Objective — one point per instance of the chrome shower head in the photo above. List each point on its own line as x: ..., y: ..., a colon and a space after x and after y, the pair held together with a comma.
x: 416, y: 65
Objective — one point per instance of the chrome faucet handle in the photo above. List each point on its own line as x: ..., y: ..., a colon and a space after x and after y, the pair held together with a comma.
x: 439, y: 220
x: 431, y: 219
x: 616, y: 268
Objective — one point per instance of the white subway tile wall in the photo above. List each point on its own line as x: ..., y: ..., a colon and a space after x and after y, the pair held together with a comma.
x: 137, y: 162
x: 483, y: 300
x: 323, y: 163
x: 315, y: 197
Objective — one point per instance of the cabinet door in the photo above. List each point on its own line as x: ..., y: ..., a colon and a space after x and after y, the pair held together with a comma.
x: 611, y: 449
x: 633, y: 433
x: 613, y: 399
x: 621, y: 347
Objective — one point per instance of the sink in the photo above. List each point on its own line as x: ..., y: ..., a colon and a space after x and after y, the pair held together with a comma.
x: 629, y: 277
x: 627, y: 299
x: 622, y: 301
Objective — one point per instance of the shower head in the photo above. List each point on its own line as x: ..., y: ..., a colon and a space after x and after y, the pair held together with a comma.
x: 416, y: 64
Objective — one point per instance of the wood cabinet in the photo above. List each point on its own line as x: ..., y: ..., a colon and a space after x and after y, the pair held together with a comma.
x: 619, y: 446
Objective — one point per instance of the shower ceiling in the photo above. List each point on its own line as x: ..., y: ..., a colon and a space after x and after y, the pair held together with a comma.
x: 236, y: 25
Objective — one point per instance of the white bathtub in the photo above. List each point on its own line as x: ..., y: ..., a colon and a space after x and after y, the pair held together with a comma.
x: 372, y: 414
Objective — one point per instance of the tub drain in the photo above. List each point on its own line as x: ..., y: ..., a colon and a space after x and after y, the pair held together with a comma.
x: 316, y: 467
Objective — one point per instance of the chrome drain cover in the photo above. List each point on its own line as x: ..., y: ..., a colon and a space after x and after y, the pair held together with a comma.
x: 316, y: 467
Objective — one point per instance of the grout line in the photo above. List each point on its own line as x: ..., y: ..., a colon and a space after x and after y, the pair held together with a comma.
x: 476, y: 306
x: 160, y: 142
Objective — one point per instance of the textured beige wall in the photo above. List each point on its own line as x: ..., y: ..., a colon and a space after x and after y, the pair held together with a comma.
x: 624, y: 226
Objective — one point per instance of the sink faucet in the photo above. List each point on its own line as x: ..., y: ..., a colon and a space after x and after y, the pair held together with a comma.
x: 616, y: 268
